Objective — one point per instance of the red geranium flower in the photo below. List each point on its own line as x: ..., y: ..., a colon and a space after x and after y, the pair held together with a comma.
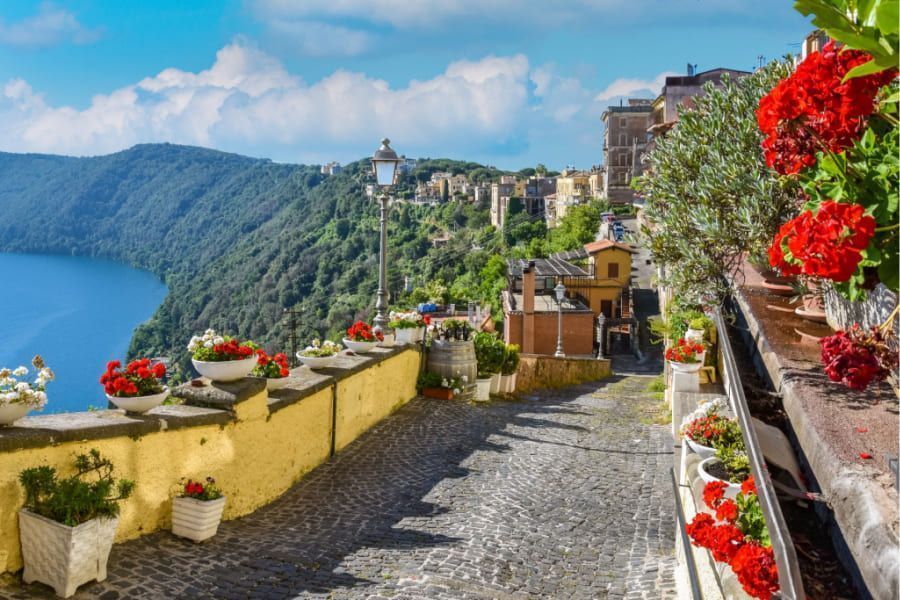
x: 748, y: 486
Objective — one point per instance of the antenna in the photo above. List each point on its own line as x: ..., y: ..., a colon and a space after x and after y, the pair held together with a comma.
x: 292, y: 334
x: 760, y: 61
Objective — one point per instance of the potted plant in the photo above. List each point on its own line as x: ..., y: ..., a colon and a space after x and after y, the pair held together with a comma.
x: 730, y: 465
x: 197, y: 511
x: 489, y: 357
x: 432, y: 385
x: 138, y: 388
x: 273, y: 368
x: 686, y: 356
x: 707, y: 434
x: 222, y: 357
x: 698, y: 329
x: 18, y: 397
x: 319, y: 355
x: 408, y: 326
x: 362, y: 338
x: 67, y: 525
x: 508, y: 368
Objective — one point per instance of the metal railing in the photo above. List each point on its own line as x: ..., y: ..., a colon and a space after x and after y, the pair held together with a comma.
x: 782, y: 546
x: 691, y: 566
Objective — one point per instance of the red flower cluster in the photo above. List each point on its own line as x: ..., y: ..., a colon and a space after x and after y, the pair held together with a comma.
x: 193, y: 488
x: 857, y: 357
x: 271, y: 366
x: 826, y: 244
x: 752, y: 563
x: 813, y: 110
x: 233, y: 349
x: 684, y: 351
x: 705, y: 430
x: 140, y: 378
x: 362, y: 332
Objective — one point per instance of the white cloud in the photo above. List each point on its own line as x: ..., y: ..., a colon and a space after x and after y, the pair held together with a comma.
x: 247, y: 102
x: 50, y: 26
x: 621, y: 88
x: 313, y: 38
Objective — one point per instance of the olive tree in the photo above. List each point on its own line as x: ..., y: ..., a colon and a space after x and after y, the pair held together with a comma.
x: 709, y: 196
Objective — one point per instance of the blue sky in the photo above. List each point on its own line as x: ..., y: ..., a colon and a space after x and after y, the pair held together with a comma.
x: 504, y: 82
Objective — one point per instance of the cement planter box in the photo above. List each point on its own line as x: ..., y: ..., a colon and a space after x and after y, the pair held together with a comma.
x: 64, y: 557
x: 196, y: 520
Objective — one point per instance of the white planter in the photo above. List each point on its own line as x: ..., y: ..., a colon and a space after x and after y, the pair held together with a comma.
x: 495, y: 383
x: 693, y: 367
x: 276, y: 383
x: 483, y: 388
x: 317, y: 362
x: 407, y: 336
x: 64, y: 557
x: 420, y: 334
x: 360, y: 347
x: 389, y: 340
x: 731, y: 489
x: 196, y: 520
x: 139, y: 404
x: 10, y: 413
x: 226, y: 370
x: 694, y: 335
x: 508, y: 384
x: 700, y: 449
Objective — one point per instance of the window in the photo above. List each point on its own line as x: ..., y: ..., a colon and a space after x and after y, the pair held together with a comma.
x: 623, y: 139
x: 613, y: 270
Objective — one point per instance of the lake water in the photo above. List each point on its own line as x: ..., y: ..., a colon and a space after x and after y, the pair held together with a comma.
x: 78, y: 313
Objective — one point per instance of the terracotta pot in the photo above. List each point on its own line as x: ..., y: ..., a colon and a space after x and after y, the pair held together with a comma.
x: 439, y: 393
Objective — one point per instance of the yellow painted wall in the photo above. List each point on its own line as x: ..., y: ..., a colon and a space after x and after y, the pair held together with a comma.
x: 255, y: 458
x: 369, y: 396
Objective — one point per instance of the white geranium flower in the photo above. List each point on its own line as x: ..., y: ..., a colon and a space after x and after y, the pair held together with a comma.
x: 218, y: 340
x: 20, y: 371
x: 210, y: 332
x: 465, y: 379
x: 445, y: 383
x: 208, y: 344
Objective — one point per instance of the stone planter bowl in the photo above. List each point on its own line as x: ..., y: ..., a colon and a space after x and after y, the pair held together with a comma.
x: 317, y: 362
x: 139, y: 404
x: 703, y: 451
x: 731, y: 489
x: 359, y: 347
x: 10, y: 413
x: 226, y: 370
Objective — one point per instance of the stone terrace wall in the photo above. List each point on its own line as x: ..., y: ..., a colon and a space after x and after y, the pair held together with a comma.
x: 539, y: 371
x: 254, y: 443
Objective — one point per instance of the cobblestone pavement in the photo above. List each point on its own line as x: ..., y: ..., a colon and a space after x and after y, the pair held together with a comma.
x: 564, y: 494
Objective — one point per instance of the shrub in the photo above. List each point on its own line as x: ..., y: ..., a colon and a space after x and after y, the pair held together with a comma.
x: 510, y: 359
x: 88, y: 494
x: 489, y: 352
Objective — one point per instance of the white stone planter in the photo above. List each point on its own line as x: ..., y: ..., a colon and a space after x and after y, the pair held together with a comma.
x: 700, y: 449
x: 360, y: 347
x: 10, y: 413
x: 693, y: 367
x: 64, y: 557
x: 407, y: 336
x: 276, y: 383
x: 483, y: 389
x: 317, y: 362
x: 694, y: 335
x: 139, y: 404
x: 420, y: 334
x: 495, y: 383
x: 731, y: 489
x: 196, y: 520
x: 389, y: 340
x: 226, y: 370
x: 508, y: 384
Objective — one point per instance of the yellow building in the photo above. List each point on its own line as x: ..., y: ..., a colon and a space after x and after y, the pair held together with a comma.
x: 572, y: 188
x: 609, y: 276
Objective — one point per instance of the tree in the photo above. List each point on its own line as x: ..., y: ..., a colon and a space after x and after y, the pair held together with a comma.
x: 709, y: 195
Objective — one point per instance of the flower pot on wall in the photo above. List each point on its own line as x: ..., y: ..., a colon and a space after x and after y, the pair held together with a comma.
x: 360, y: 347
x: 731, y: 489
x: 408, y: 335
x: 703, y: 451
x: 226, y: 370
x: 694, y: 335
x: 317, y: 362
x: 693, y: 367
x: 10, y: 413
x: 64, y: 557
x: 196, y: 520
x: 139, y: 404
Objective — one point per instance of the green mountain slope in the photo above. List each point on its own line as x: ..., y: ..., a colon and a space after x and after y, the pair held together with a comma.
x: 237, y: 240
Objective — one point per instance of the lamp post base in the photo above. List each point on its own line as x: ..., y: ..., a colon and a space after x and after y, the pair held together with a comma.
x: 560, y: 354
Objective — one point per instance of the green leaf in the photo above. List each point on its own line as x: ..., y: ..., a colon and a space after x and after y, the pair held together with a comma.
x: 887, y: 16
x: 864, y: 69
x: 889, y: 272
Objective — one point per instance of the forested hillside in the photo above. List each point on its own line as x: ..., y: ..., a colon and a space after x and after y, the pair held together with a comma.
x: 237, y: 240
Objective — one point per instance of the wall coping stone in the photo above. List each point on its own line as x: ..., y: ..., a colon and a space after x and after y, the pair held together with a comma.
x: 212, y: 404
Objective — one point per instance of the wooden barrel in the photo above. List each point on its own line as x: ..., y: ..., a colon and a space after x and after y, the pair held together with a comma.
x: 452, y: 358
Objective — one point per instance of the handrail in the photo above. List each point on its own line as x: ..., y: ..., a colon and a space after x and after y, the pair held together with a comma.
x: 782, y: 546
x: 685, y: 541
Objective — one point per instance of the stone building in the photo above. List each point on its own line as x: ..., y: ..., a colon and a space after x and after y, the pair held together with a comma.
x: 623, y: 140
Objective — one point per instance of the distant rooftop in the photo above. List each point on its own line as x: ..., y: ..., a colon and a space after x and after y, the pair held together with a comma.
x: 545, y: 267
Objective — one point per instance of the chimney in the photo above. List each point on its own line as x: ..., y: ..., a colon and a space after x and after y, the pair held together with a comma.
x: 528, y: 309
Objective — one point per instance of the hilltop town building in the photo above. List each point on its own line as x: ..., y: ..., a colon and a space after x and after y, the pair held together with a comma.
x: 624, y: 138
x: 332, y: 168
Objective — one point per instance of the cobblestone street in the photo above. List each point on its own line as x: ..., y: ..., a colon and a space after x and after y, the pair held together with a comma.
x: 564, y: 494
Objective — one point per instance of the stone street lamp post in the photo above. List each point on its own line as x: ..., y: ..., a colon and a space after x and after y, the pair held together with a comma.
x: 384, y: 165
x: 560, y: 291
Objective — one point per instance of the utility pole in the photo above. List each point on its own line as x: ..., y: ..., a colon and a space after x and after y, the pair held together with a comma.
x: 292, y: 334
